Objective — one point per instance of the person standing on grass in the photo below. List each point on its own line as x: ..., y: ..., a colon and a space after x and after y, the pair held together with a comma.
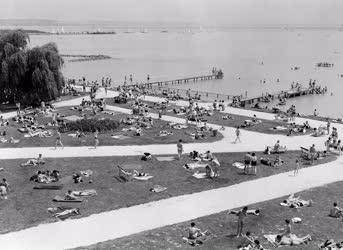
x: 297, y: 167
x: 96, y: 139
x: 238, y: 134
x: 240, y: 223
x: 18, y: 108
x: 58, y: 140
x: 160, y: 114
x: 328, y: 124
x: 179, y: 148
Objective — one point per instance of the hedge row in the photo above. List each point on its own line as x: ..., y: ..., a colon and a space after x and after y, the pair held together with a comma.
x: 90, y: 125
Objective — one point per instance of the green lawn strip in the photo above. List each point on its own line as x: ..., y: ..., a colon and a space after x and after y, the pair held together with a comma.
x: 150, y: 136
x: 26, y: 207
x: 315, y: 221
x: 266, y: 126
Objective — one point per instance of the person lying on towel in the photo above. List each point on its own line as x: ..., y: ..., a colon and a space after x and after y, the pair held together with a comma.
x: 34, y: 162
x: 295, y: 202
x: 70, y: 196
x: 291, y: 240
x: 139, y: 174
x: 331, y: 245
x: 75, y: 211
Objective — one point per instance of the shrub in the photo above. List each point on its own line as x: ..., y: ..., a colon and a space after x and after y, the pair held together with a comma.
x: 90, y: 125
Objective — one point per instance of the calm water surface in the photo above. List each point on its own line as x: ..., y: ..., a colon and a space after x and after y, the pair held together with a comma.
x: 239, y: 53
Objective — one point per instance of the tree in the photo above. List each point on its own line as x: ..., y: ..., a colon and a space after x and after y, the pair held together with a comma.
x: 28, y: 75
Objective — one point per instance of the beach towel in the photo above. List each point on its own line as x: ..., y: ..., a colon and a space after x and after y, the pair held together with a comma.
x: 165, y: 158
x: 119, y: 137
x: 296, y: 220
x: 86, y: 173
x: 58, y: 198
x: 143, y: 178
x: 280, y: 128
x: 194, y: 165
x: 66, y: 213
x: 158, y: 189
x: 238, y: 165
x: 87, y: 192
x: 271, y: 238
x: 48, y: 187
x: 199, y: 175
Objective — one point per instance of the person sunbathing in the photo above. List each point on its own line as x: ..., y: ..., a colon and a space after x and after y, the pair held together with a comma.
x: 70, y: 196
x: 277, y: 162
x: 293, y: 240
x: 336, y: 211
x: 138, y: 174
x: 77, y: 178
x: 34, y: 162
x: 296, y: 202
x: 71, y: 211
x: 331, y: 245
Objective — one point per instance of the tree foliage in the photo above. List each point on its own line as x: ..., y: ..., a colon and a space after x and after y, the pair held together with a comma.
x: 28, y: 75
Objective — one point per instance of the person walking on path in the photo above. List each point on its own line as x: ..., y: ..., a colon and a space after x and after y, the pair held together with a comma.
x: 58, y: 140
x: 96, y: 139
x: 160, y: 114
x: 179, y: 148
x: 297, y: 167
x: 238, y: 134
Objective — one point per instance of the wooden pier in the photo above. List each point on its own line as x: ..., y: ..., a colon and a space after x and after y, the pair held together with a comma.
x: 282, y: 94
x: 185, y: 80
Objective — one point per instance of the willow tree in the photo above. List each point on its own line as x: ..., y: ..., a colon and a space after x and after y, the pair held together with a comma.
x: 28, y: 75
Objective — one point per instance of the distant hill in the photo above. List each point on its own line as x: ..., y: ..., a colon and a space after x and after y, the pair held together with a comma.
x: 27, y: 22
x: 27, y: 31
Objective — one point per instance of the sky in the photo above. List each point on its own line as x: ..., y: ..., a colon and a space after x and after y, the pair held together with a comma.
x: 205, y: 12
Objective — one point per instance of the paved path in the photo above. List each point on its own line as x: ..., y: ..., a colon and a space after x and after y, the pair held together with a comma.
x: 127, y: 221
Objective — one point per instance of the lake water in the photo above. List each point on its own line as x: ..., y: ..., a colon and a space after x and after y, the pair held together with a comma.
x: 238, y: 53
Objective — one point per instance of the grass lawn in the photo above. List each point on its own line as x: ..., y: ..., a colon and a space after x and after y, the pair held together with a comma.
x: 315, y: 221
x: 217, y: 118
x: 150, y: 136
x: 26, y: 207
